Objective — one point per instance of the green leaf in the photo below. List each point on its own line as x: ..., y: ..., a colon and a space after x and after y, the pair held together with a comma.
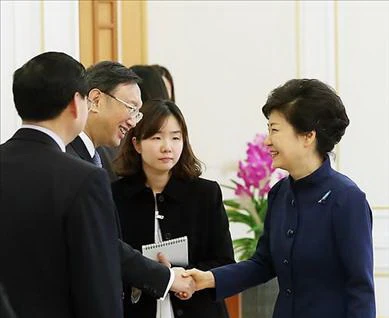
x: 245, y: 247
x: 262, y: 210
x: 236, y: 216
x: 231, y: 203
x: 228, y: 187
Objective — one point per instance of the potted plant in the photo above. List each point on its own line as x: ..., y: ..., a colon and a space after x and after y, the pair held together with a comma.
x: 249, y: 207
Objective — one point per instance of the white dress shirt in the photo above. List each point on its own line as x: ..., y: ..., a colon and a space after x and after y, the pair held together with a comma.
x: 164, y: 305
x: 88, y: 143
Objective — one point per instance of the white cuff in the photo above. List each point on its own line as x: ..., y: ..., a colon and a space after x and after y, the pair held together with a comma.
x: 169, y: 285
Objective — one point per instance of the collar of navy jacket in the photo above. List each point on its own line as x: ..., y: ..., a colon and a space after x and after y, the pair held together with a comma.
x: 315, y: 182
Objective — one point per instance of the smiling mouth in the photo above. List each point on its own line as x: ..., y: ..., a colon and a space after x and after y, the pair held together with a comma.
x: 123, y: 130
x: 273, y: 153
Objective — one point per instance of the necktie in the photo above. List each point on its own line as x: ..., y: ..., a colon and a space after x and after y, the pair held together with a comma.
x: 97, y: 160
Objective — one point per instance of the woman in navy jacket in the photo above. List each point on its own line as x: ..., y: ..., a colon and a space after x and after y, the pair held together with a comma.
x: 161, y: 197
x: 318, y: 230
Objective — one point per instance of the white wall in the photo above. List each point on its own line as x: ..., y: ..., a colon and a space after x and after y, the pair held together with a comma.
x: 225, y: 57
x: 27, y: 29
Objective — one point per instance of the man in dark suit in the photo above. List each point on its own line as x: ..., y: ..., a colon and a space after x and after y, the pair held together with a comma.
x: 58, y: 240
x: 115, y: 102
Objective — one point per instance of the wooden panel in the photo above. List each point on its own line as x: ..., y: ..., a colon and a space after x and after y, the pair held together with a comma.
x: 105, y: 45
x: 134, y: 32
x: 86, y: 32
x: 105, y: 30
x: 96, y: 44
x: 98, y: 31
x: 105, y: 13
x: 233, y: 306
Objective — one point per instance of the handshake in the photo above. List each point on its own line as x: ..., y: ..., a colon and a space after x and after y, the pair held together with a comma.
x: 186, y: 282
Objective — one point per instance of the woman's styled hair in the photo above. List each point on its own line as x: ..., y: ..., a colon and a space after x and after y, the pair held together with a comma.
x: 155, y: 114
x: 310, y: 105
x: 151, y: 84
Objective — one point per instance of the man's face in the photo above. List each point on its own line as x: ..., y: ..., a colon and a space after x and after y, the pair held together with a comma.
x: 114, y: 118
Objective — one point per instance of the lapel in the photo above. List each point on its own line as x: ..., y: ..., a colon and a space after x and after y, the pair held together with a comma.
x: 78, y: 148
x: 28, y: 134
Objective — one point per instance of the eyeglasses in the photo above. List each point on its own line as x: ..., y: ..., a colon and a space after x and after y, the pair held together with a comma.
x: 133, y: 110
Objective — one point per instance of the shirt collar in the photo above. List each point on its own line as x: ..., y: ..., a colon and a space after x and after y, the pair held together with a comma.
x: 48, y: 132
x: 88, y: 144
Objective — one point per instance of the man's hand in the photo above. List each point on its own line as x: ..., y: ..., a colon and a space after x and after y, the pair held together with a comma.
x: 183, y: 286
x: 202, y: 279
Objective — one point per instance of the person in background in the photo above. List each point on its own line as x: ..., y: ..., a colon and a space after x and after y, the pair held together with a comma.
x: 167, y: 79
x: 152, y: 85
x: 161, y: 197
x: 318, y: 230
x: 59, y: 253
x: 115, y: 101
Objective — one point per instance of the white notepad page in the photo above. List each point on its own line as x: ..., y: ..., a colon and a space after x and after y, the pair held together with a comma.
x: 176, y: 250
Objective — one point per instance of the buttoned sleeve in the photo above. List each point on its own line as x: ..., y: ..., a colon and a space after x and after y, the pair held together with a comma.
x: 256, y: 270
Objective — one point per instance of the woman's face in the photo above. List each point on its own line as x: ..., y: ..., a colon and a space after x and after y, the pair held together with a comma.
x: 287, y: 148
x: 161, y: 152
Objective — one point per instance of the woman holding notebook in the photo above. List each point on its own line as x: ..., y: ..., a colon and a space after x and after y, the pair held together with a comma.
x: 161, y: 197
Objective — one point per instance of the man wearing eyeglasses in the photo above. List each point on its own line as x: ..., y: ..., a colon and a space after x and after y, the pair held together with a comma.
x: 114, y: 101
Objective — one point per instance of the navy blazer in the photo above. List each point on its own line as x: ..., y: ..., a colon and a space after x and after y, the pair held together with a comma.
x: 190, y: 207
x: 318, y: 242
x: 58, y: 241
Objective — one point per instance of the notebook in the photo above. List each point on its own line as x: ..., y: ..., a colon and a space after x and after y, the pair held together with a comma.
x: 176, y: 250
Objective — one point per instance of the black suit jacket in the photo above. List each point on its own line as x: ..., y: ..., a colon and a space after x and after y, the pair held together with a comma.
x: 6, y: 310
x: 107, y: 155
x: 137, y: 270
x: 58, y: 240
x: 190, y: 207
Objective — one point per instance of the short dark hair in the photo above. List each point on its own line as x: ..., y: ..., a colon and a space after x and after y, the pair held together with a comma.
x: 155, y: 112
x: 107, y: 75
x: 152, y: 85
x: 46, y: 84
x: 310, y: 105
x: 163, y: 71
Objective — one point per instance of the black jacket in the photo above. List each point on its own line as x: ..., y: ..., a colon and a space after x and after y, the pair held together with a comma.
x: 6, y: 310
x: 107, y: 155
x: 137, y: 270
x: 193, y: 208
x: 58, y: 240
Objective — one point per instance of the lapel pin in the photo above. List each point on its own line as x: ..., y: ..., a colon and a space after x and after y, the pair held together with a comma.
x: 324, y: 198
